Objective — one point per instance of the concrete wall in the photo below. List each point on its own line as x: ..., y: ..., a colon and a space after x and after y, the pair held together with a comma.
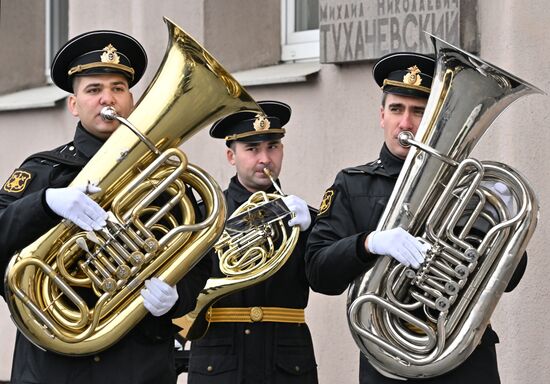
x: 516, y: 41
x: 252, y: 26
x: 22, y: 41
x: 334, y: 125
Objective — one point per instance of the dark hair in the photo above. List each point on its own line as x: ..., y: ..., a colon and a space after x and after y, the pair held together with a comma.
x: 384, y: 97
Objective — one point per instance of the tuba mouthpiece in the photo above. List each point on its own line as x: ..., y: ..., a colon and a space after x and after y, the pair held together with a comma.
x: 108, y: 113
x: 404, y: 138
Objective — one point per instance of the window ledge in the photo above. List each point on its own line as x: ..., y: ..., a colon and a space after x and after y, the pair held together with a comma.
x: 42, y: 97
x: 48, y: 96
x: 278, y: 74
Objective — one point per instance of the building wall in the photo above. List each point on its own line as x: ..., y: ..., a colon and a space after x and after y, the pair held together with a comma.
x: 515, y: 40
x: 253, y: 28
x: 334, y: 125
x: 22, y: 41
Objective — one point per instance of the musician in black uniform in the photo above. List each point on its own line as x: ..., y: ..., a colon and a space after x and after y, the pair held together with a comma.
x: 98, y: 68
x: 344, y: 244
x: 258, y: 349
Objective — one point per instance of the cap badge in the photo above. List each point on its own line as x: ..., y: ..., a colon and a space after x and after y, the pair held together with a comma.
x: 109, y: 55
x: 413, y: 77
x: 261, y: 123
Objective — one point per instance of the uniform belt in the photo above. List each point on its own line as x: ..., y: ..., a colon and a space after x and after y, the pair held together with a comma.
x: 255, y: 314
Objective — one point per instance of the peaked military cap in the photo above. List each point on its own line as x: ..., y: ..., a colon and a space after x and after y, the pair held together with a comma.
x: 253, y: 127
x: 96, y: 53
x: 405, y: 73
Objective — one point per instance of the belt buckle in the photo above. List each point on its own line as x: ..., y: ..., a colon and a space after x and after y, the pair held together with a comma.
x: 256, y: 314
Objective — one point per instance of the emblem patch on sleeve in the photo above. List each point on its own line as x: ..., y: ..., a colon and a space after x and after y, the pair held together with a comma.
x: 326, y: 203
x: 18, y: 181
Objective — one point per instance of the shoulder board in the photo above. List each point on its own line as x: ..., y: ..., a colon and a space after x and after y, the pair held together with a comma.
x: 65, y: 154
x: 373, y: 168
x: 367, y: 168
x: 355, y: 170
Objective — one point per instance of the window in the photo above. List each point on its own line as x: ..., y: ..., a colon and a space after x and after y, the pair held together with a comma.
x: 300, y: 29
x: 57, y: 30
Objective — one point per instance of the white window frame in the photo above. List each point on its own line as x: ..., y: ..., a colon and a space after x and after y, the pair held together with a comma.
x: 296, y: 46
x: 57, y: 24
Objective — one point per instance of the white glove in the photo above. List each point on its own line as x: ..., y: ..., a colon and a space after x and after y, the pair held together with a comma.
x: 399, y: 244
x: 73, y: 204
x: 158, y: 297
x: 300, y: 210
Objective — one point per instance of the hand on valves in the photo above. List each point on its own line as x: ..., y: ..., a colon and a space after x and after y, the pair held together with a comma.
x: 399, y: 244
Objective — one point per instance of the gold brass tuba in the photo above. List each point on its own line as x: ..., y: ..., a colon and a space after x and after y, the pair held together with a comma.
x: 423, y: 323
x: 77, y: 293
x: 254, y: 246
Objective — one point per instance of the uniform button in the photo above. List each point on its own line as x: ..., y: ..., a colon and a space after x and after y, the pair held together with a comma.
x: 210, y: 368
x: 71, y: 148
x: 297, y: 368
x: 247, y: 331
x: 97, y: 359
x: 256, y: 314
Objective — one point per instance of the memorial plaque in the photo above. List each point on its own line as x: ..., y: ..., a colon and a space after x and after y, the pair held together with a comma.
x: 354, y: 30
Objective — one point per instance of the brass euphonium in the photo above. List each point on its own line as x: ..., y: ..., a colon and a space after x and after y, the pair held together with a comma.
x: 253, y: 247
x: 145, y: 182
x: 423, y: 323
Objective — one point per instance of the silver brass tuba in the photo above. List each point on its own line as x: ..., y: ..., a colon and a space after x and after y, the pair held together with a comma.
x: 423, y: 323
x: 76, y: 292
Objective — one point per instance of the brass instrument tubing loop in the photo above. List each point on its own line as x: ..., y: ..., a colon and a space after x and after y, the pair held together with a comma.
x: 148, y: 191
x: 109, y: 113
x: 423, y: 323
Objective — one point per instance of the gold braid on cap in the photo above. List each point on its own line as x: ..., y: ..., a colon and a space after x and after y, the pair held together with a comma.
x: 109, y: 59
x: 404, y: 85
x: 253, y: 133
x: 261, y: 125
x: 411, y: 80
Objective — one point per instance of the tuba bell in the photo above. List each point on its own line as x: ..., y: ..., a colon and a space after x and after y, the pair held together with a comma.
x: 75, y: 292
x: 423, y: 323
x: 254, y: 245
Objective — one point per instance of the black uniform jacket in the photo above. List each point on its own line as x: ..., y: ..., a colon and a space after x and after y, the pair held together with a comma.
x: 336, y: 255
x: 261, y: 352
x: 146, y: 353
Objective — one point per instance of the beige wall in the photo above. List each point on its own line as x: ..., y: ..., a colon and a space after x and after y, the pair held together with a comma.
x: 252, y: 29
x: 518, y: 44
x: 334, y: 125
x: 22, y: 45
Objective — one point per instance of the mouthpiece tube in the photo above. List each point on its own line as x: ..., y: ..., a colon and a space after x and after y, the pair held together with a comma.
x: 108, y: 113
